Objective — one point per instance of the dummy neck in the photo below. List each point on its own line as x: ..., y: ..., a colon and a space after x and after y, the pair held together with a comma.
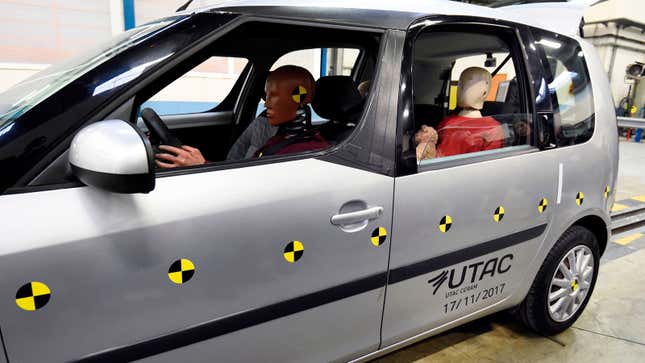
x: 470, y: 112
x: 300, y: 125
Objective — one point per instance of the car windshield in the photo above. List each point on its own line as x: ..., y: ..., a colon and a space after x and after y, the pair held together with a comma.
x: 22, y: 97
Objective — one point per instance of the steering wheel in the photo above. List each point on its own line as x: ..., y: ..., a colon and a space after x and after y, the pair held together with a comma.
x: 159, y: 132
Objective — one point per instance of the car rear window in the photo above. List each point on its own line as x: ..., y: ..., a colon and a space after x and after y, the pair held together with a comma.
x: 570, y: 89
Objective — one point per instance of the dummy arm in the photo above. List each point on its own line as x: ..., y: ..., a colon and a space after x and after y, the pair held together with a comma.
x: 426, y: 140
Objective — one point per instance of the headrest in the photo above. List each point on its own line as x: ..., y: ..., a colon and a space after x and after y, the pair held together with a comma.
x: 337, y: 98
x: 429, y: 115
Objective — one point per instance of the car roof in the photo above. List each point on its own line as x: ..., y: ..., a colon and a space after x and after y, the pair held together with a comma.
x: 387, y: 14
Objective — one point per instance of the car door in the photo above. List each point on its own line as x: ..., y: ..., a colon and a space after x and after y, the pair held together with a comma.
x: 278, y: 259
x: 467, y: 227
x: 264, y: 269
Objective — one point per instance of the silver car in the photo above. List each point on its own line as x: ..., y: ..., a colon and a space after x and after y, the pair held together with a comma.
x: 341, y: 254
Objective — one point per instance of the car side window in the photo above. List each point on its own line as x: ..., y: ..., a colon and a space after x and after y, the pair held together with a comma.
x: 319, y: 62
x: 570, y: 89
x: 469, y: 98
x: 199, y: 90
x: 309, y: 113
x: 322, y: 61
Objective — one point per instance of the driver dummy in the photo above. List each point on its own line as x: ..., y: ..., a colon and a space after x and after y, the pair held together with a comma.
x: 468, y: 131
x: 289, y: 90
x: 286, y: 128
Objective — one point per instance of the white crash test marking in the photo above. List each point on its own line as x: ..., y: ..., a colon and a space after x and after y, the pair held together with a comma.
x: 560, y: 175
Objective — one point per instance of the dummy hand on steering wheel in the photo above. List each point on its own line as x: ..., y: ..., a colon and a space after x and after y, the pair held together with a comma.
x: 176, y: 154
x: 176, y: 157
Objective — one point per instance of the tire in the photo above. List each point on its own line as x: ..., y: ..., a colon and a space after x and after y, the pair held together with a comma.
x: 535, y: 311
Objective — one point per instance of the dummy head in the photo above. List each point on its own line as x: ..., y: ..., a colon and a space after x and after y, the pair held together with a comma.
x: 364, y: 88
x: 474, y: 85
x: 287, y: 88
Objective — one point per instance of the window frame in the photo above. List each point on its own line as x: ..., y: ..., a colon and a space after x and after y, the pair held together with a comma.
x: 339, y: 154
x: 407, y: 161
x: 549, y: 77
x: 158, y: 84
x: 358, y: 63
x: 245, y: 90
x: 233, y: 92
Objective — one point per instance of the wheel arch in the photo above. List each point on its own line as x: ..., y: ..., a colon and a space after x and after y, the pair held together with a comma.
x: 598, y: 227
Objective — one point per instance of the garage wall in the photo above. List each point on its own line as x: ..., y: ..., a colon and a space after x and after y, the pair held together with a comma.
x: 35, y: 34
x: 617, y: 30
x: 35, y: 31
x: 617, y: 48
x: 147, y: 10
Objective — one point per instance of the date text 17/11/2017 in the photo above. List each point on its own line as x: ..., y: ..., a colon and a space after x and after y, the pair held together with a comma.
x: 472, y: 299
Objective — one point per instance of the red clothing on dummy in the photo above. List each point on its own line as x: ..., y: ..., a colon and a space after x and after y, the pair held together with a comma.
x: 280, y: 145
x: 461, y: 135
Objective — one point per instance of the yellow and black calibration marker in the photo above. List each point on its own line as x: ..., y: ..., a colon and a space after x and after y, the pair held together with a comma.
x: 293, y: 251
x: 299, y: 94
x: 542, y: 205
x: 33, y: 296
x: 445, y: 223
x: 498, y: 214
x: 580, y: 198
x: 181, y: 271
x: 574, y: 285
x: 379, y: 235
x: 607, y: 191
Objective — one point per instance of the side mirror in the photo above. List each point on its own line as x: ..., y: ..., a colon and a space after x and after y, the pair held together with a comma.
x: 115, y: 156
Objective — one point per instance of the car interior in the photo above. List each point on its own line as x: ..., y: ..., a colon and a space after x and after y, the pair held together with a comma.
x: 337, y: 99
x: 436, y: 69
x: 215, y: 130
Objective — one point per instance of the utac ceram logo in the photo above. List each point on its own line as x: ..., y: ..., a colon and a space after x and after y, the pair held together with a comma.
x: 474, y: 272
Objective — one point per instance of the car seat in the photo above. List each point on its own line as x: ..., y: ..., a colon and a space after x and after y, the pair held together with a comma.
x: 338, y: 100
x: 508, y: 113
x: 429, y: 115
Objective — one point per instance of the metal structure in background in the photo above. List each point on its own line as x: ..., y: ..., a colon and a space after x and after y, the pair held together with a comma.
x: 323, y: 62
x: 128, y: 14
x: 631, y: 122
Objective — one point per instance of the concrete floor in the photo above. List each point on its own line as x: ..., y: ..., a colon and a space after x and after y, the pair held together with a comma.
x: 611, y: 329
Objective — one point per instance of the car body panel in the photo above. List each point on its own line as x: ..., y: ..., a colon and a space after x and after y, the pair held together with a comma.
x: 422, y: 302
x: 564, y: 18
x: 422, y: 200
x: 106, y: 257
x: 400, y: 15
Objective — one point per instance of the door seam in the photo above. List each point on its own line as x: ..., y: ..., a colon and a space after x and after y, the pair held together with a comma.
x: 387, y: 278
x: 4, y: 346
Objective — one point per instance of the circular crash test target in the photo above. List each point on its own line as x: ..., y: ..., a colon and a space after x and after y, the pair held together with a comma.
x: 293, y: 251
x: 580, y: 198
x: 33, y: 296
x: 498, y: 214
x: 379, y: 235
x: 542, y: 205
x: 445, y: 223
x: 181, y: 271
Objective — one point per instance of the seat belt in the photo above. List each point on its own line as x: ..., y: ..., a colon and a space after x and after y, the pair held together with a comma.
x: 271, y: 150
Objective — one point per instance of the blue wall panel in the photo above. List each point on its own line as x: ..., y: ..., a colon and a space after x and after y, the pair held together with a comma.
x: 128, y: 14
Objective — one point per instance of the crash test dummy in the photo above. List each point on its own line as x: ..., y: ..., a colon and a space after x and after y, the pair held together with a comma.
x: 287, y: 122
x: 289, y: 90
x: 467, y: 131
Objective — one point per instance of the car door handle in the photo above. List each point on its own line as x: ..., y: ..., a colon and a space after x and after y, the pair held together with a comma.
x: 356, y: 217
